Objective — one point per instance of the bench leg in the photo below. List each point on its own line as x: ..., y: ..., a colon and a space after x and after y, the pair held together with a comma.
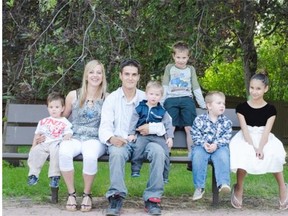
x: 54, y: 195
x: 215, y: 191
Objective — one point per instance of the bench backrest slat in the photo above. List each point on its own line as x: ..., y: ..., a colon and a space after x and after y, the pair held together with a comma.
x: 26, y: 113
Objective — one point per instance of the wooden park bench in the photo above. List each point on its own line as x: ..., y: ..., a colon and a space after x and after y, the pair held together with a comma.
x: 22, y: 119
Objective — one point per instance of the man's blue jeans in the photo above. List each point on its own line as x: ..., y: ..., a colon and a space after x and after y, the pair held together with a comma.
x: 117, y: 160
x: 221, y: 163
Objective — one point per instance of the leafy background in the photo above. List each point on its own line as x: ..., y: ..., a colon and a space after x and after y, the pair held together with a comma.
x: 46, y: 43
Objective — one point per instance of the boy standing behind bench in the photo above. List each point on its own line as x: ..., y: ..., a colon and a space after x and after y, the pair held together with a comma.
x: 181, y: 84
x: 55, y: 128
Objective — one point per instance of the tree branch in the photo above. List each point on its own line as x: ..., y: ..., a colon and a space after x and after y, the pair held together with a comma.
x: 82, y: 56
x: 52, y: 21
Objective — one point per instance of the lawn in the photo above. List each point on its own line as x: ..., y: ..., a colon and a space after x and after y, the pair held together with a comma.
x: 14, y: 182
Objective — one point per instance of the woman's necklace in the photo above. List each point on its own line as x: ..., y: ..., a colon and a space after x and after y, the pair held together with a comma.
x: 91, y: 99
x: 89, y: 110
x: 90, y: 103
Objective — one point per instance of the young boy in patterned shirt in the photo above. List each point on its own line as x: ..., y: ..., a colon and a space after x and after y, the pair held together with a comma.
x: 211, y: 133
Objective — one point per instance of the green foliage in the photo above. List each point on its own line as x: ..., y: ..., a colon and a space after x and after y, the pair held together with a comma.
x: 272, y: 55
x: 47, y: 43
x: 47, y: 5
x: 10, y: 3
x: 221, y: 76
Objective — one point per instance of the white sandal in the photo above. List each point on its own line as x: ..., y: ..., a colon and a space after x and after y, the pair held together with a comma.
x: 284, y: 205
x: 86, y: 202
x: 71, y: 204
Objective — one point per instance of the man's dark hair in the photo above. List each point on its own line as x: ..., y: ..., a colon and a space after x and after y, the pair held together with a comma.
x: 130, y: 62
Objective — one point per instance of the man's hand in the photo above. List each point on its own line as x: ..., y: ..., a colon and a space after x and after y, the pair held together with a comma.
x: 143, y: 129
x: 131, y: 138
x: 117, y: 141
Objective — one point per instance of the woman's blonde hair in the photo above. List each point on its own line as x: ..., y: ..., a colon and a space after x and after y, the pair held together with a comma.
x: 103, y: 86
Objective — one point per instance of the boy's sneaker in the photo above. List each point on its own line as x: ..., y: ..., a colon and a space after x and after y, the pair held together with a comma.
x: 189, y: 166
x: 198, y: 194
x: 32, y: 180
x: 115, y: 205
x: 152, y: 206
x: 224, y: 189
x: 54, y: 181
x: 135, y: 174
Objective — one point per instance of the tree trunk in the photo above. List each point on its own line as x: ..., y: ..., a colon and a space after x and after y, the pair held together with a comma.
x: 246, y: 38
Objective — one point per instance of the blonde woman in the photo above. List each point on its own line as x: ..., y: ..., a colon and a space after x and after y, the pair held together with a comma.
x: 84, y: 106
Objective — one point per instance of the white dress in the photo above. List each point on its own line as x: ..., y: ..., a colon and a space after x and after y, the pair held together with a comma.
x: 243, y: 156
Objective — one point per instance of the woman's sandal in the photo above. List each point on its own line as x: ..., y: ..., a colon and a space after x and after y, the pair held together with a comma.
x: 71, y: 202
x: 86, y: 202
x: 284, y: 205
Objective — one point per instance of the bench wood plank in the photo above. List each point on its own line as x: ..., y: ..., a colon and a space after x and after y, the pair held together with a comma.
x: 23, y: 113
x: 19, y: 135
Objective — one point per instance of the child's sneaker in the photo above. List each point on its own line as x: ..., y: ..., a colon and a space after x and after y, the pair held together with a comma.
x: 224, y: 189
x: 54, y: 181
x: 32, y: 180
x: 135, y: 174
x: 198, y: 194
x: 189, y: 166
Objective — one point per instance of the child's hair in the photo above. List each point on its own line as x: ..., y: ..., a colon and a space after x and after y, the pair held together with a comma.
x: 130, y: 62
x: 154, y: 84
x: 53, y: 96
x: 261, y: 75
x: 181, y: 46
x: 209, y: 96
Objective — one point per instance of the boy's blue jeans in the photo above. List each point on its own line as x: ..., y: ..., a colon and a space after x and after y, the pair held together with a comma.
x: 221, y: 163
x: 117, y: 160
x: 139, y: 150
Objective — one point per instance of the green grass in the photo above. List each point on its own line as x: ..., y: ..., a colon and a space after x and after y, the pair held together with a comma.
x: 14, y: 182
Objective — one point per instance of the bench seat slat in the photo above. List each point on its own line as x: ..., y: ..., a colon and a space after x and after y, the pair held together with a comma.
x: 104, y: 158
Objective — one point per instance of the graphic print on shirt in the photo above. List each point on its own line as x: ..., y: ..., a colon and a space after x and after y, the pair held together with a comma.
x: 180, y: 80
x: 53, y: 128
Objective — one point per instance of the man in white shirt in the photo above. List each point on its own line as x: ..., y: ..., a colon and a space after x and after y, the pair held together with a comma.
x: 115, y: 119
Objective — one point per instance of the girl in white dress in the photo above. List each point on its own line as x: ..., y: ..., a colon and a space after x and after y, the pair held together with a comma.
x: 254, y: 149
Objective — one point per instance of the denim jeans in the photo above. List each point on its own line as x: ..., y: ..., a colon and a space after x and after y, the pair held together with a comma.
x: 221, y: 163
x: 117, y: 160
x: 139, y: 149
